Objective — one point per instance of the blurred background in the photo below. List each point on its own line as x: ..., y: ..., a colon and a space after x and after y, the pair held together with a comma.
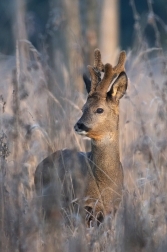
x: 108, y: 24
x: 69, y: 31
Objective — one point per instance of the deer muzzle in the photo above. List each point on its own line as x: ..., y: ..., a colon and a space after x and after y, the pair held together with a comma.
x: 81, y: 128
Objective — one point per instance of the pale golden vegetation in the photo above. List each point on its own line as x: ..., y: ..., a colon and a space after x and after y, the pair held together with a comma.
x: 39, y: 106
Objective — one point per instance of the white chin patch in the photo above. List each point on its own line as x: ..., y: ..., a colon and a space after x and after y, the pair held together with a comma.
x: 84, y: 133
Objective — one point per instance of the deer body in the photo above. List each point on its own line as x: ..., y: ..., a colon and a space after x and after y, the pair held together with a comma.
x: 96, y: 176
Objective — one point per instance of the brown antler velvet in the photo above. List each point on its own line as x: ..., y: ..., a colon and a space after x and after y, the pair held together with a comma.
x: 97, y: 60
x: 95, y: 72
x: 110, y: 73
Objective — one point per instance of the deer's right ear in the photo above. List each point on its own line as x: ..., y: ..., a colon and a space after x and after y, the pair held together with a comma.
x: 87, y: 82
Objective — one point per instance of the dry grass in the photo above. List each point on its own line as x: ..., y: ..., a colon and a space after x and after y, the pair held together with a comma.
x: 35, y: 122
x: 38, y: 108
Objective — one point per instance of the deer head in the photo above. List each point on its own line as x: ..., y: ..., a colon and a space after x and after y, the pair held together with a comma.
x: 101, y: 110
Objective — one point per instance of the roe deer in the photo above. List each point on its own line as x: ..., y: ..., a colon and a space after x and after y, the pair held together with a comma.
x: 96, y: 175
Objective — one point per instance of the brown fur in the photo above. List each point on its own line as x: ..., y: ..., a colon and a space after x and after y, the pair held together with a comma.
x: 96, y: 175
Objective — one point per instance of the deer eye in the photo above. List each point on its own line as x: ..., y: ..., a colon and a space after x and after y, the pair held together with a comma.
x: 99, y: 110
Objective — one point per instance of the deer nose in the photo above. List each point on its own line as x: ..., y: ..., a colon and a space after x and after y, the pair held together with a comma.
x: 80, y: 127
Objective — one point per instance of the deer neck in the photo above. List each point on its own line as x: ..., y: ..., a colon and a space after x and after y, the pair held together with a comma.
x: 105, y: 153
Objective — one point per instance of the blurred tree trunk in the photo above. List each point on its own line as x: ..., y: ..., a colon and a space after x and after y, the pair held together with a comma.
x: 109, y: 30
x: 73, y: 42
x: 92, y: 28
x: 20, y: 33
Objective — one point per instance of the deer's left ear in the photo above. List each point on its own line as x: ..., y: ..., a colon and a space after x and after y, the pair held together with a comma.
x: 119, y: 87
x: 87, y: 83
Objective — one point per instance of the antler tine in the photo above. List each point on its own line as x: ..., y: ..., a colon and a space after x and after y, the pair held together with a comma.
x: 95, y: 71
x: 120, y: 67
x: 97, y: 60
x: 112, y: 72
x: 106, y: 81
x: 94, y: 79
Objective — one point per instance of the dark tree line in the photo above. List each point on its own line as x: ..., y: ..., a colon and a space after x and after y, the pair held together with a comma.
x: 38, y: 13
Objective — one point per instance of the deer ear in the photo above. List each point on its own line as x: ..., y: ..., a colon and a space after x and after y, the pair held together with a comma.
x: 87, y: 82
x: 119, y: 87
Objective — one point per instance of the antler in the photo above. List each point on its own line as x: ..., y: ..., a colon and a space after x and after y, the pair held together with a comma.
x: 95, y: 71
x: 111, y: 72
x: 97, y: 60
